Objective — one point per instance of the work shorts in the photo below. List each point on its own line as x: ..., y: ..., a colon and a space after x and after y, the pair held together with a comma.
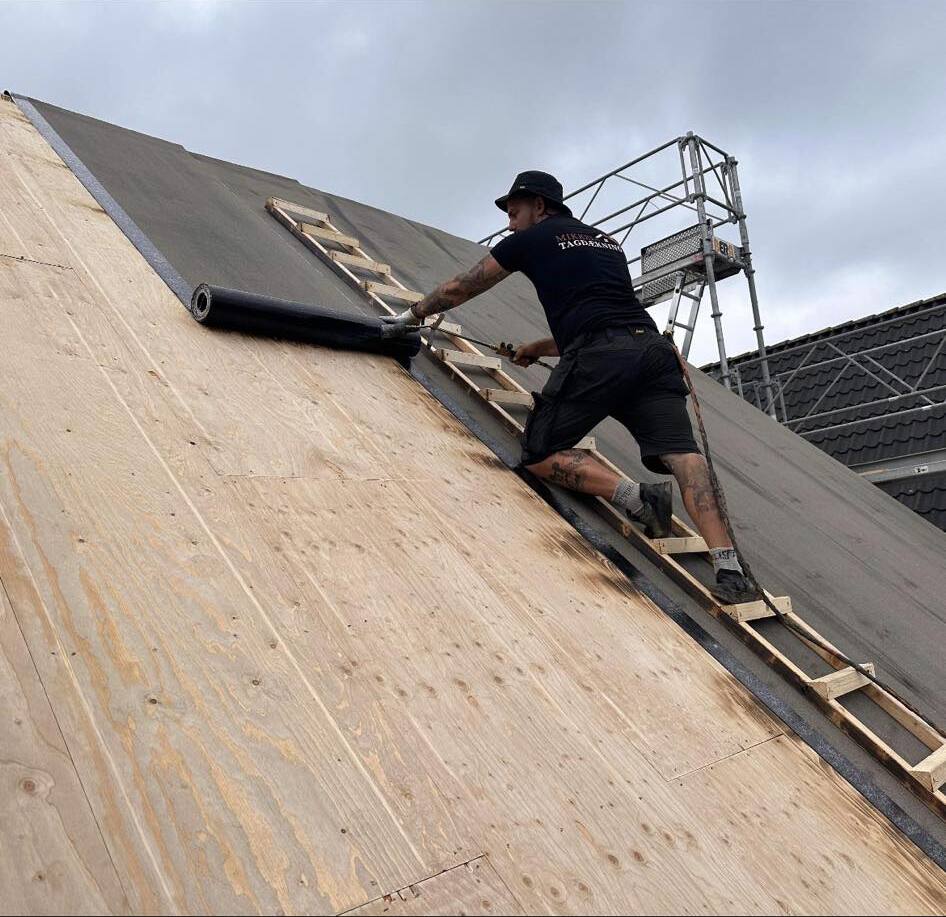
x: 630, y: 374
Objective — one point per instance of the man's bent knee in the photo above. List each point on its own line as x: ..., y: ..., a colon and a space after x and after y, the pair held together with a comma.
x: 546, y: 467
x: 541, y: 468
x: 682, y: 460
x: 565, y: 467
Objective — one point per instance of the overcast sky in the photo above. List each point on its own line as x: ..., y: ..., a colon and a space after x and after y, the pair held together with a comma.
x: 834, y: 110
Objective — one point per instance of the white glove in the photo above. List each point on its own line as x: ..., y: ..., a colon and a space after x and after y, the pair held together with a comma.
x: 402, y: 323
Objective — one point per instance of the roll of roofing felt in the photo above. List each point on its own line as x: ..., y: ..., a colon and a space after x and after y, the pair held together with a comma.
x: 251, y: 313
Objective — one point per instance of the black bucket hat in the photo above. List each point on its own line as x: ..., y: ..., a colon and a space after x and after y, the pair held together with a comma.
x: 539, y: 183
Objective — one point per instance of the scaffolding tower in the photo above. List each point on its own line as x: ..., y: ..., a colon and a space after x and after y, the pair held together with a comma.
x: 691, y: 260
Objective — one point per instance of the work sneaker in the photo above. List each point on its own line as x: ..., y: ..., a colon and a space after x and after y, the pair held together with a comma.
x: 658, y: 510
x: 733, y: 588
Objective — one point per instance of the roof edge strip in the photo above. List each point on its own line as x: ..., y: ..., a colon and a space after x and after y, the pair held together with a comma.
x: 162, y: 267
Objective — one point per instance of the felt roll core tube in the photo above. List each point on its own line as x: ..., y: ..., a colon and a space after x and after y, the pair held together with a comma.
x: 251, y: 313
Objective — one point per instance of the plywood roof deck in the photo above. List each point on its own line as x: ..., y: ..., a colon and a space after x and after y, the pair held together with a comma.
x: 862, y: 569
x: 277, y: 633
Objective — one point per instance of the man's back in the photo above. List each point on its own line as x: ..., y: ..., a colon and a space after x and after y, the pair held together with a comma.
x: 580, y: 276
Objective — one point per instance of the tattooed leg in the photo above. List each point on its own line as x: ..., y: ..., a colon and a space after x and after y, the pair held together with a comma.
x: 693, y: 477
x: 577, y: 470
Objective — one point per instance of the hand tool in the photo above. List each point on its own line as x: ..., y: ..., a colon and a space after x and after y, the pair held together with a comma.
x: 503, y: 349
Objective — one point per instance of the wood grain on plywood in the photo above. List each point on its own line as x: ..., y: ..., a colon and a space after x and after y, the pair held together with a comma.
x: 837, y: 850
x: 53, y: 859
x: 356, y: 594
x: 230, y: 782
x: 171, y: 649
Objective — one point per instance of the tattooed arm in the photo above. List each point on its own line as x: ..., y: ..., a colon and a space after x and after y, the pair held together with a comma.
x: 448, y: 295
x: 452, y: 293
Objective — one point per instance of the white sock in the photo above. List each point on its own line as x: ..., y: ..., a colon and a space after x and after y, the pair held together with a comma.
x: 725, y: 559
x: 628, y: 495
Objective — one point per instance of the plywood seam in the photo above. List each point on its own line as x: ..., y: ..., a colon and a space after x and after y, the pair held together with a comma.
x: 728, y: 757
x: 502, y: 881
x: 349, y: 479
x: 86, y: 708
x: 25, y: 260
x: 62, y: 735
x: 623, y: 716
x: 436, y: 875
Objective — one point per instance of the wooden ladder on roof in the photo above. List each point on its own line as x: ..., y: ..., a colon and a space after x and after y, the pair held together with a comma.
x: 925, y: 777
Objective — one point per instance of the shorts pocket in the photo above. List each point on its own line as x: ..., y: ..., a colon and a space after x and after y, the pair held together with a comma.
x: 661, y: 369
x: 536, y: 434
x: 558, y: 378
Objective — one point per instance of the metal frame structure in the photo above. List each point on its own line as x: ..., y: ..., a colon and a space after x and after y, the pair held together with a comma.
x: 772, y: 389
x: 707, y: 186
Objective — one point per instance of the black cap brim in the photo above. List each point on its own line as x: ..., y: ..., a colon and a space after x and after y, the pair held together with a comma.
x: 501, y: 202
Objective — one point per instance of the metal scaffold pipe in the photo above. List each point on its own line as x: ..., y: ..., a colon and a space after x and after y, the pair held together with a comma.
x: 758, y: 327
x: 699, y: 194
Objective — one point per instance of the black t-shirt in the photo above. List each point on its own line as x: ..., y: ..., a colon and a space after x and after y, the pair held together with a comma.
x: 580, y: 275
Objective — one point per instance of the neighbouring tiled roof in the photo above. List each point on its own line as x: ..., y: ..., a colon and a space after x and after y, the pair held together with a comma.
x: 861, y: 418
x: 882, y: 437
x: 923, y: 493
x: 856, y: 399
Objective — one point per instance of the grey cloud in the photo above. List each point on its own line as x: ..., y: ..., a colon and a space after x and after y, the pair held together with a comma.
x: 834, y: 110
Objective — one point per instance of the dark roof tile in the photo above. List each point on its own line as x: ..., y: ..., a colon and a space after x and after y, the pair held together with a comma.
x: 924, y: 494
x: 850, y: 407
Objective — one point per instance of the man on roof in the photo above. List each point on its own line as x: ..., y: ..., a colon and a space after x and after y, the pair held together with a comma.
x: 614, y: 362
